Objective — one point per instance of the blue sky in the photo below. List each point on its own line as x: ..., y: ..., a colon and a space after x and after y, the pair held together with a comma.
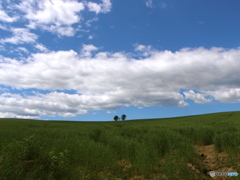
x: 90, y: 60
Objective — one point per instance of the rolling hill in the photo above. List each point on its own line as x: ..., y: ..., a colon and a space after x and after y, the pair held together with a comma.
x: 171, y: 148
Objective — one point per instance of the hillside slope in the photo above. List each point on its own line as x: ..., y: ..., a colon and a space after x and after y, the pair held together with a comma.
x: 171, y: 148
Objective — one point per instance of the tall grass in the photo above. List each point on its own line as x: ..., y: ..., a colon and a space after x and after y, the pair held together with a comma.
x: 151, y: 149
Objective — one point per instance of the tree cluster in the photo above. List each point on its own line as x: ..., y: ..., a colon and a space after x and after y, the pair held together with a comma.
x: 123, y: 117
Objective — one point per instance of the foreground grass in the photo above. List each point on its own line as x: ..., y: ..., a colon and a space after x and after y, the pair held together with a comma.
x: 139, y: 149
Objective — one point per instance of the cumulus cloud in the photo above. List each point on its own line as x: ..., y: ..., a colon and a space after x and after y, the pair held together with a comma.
x: 21, y: 51
x: 56, y: 16
x: 57, y: 12
x: 53, y: 104
x: 5, y: 17
x: 87, y: 49
x: 196, y: 97
x: 226, y: 95
x: 100, y: 8
x: 61, y: 17
x: 144, y: 50
x: 90, y: 37
x: 41, y: 47
x: 60, y: 30
x: 110, y: 80
x: 20, y: 36
x: 106, y: 6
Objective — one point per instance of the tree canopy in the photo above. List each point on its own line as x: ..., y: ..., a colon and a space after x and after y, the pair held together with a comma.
x: 123, y: 117
x: 116, y: 118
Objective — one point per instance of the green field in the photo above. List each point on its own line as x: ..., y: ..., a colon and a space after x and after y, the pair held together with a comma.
x: 173, y: 148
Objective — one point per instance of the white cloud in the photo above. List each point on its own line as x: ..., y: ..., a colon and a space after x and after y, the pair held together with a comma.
x: 226, y: 95
x: 144, y: 50
x: 20, y: 36
x: 41, y: 47
x: 86, y: 50
x: 5, y: 17
x: 94, y: 7
x: 53, y: 104
x: 88, y: 23
x: 56, y: 12
x: 21, y: 50
x: 15, y: 115
x: 56, y: 16
x: 110, y: 112
x: 89, y: 47
x: 106, y: 6
x: 59, y: 16
x: 149, y: 3
x: 100, y: 8
x: 196, y: 97
x: 67, y: 114
x: 90, y: 37
x: 3, y: 27
x: 107, y: 80
x: 61, y: 30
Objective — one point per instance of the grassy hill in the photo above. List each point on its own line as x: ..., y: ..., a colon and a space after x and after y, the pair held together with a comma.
x: 172, y: 148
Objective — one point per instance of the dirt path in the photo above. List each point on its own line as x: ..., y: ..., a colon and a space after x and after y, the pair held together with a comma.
x: 211, y: 160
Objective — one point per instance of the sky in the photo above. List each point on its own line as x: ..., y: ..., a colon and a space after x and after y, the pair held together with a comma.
x: 90, y: 60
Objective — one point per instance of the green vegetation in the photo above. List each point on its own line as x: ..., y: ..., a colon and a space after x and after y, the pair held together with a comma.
x: 137, y: 149
x: 116, y: 118
x: 123, y: 118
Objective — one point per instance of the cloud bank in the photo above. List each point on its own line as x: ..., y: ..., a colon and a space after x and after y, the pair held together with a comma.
x: 60, y: 17
x: 110, y: 80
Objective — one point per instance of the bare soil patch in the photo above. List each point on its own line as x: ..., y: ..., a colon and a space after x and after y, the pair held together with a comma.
x: 211, y: 160
x: 126, y: 166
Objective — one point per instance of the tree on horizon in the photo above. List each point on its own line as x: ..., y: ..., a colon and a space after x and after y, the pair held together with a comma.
x: 123, y: 117
x: 116, y: 118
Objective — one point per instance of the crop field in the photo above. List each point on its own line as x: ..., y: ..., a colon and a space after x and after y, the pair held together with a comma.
x: 174, y: 148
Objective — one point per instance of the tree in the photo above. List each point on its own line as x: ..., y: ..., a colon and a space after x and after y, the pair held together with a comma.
x: 123, y: 117
x: 116, y: 118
